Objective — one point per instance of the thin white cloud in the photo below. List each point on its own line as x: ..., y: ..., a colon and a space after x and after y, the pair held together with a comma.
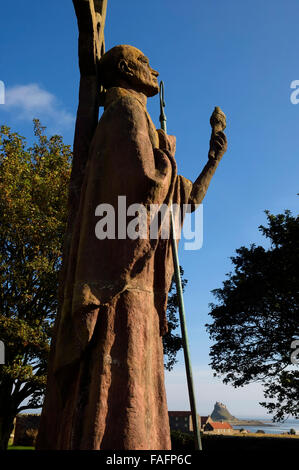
x: 30, y: 101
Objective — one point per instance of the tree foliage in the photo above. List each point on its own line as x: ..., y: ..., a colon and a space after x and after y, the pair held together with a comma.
x: 256, y: 318
x: 172, y: 342
x: 33, y: 197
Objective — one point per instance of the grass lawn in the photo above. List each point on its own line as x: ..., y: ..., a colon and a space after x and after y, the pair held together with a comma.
x: 20, y: 448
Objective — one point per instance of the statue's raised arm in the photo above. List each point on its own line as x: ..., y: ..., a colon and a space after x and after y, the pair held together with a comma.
x: 218, y: 147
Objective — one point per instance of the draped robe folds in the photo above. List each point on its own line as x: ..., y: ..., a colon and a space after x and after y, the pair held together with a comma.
x: 106, y: 375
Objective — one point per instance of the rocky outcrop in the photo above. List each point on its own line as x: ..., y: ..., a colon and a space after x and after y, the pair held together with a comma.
x: 221, y: 413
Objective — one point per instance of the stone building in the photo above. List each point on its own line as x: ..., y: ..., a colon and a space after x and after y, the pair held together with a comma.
x: 182, y: 421
x: 204, y: 420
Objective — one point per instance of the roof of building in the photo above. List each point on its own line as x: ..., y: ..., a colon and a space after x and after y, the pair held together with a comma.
x: 223, y: 425
x: 204, y: 419
x: 179, y: 413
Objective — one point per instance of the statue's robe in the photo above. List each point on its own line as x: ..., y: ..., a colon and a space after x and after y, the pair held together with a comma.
x: 106, y: 375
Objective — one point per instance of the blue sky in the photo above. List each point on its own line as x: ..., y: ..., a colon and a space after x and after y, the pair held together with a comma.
x: 241, y: 56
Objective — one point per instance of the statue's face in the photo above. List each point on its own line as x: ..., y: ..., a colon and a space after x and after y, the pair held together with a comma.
x: 138, y: 73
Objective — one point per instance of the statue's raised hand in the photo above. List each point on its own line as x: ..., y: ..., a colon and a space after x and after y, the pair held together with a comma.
x: 218, y: 145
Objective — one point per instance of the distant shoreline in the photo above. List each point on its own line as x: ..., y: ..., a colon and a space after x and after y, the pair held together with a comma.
x: 243, y: 422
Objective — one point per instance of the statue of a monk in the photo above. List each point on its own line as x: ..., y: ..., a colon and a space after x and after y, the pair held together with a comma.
x: 106, y: 375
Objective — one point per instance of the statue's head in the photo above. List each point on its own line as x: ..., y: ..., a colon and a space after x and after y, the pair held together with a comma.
x: 127, y: 66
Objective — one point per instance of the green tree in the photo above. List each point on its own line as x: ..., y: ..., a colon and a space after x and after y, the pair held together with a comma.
x: 172, y: 342
x: 33, y: 197
x: 256, y: 318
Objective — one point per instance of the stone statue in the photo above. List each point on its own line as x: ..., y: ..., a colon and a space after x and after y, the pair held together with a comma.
x: 106, y: 375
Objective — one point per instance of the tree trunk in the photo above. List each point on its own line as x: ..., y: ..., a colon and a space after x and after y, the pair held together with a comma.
x: 8, y: 411
x: 6, y: 428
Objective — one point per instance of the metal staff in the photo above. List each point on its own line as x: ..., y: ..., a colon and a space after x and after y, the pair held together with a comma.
x: 178, y: 282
